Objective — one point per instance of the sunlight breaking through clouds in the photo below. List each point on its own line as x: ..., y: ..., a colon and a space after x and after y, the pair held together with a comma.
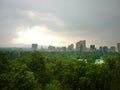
x: 98, y: 22
x: 37, y: 34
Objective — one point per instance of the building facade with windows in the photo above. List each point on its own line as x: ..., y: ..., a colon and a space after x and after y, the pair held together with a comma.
x: 81, y: 45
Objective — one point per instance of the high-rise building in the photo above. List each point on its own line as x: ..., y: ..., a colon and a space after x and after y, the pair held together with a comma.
x: 105, y: 49
x: 81, y: 45
x: 100, y: 48
x: 92, y: 48
x: 112, y: 49
x: 118, y: 47
x: 34, y: 46
x: 51, y: 48
x: 71, y: 47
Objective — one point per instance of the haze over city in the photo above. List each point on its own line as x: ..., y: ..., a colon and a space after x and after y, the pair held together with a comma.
x: 59, y: 22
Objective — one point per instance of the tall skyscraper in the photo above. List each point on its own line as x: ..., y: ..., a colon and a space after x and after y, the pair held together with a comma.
x: 34, y: 46
x: 112, y: 49
x: 118, y: 47
x: 51, y: 48
x: 100, y: 48
x: 105, y: 49
x: 92, y: 48
x: 81, y: 45
x: 71, y: 47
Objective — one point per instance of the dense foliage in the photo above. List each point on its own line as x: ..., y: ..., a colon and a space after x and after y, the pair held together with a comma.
x: 33, y: 70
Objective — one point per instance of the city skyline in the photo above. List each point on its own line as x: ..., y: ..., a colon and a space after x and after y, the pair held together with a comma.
x: 80, y: 46
x: 71, y: 46
x: 68, y: 45
x: 59, y: 22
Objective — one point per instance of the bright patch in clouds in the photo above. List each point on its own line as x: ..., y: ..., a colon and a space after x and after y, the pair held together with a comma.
x: 42, y: 17
x: 41, y: 35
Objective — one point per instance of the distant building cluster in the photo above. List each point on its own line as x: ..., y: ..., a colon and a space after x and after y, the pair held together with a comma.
x: 80, y: 46
x: 34, y: 46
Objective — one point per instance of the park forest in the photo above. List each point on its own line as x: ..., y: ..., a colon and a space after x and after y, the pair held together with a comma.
x: 42, y: 70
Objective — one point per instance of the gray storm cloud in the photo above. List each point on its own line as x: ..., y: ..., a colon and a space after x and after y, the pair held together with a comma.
x: 97, y: 21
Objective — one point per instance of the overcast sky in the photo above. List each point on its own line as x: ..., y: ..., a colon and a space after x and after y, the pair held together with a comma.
x: 59, y: 22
